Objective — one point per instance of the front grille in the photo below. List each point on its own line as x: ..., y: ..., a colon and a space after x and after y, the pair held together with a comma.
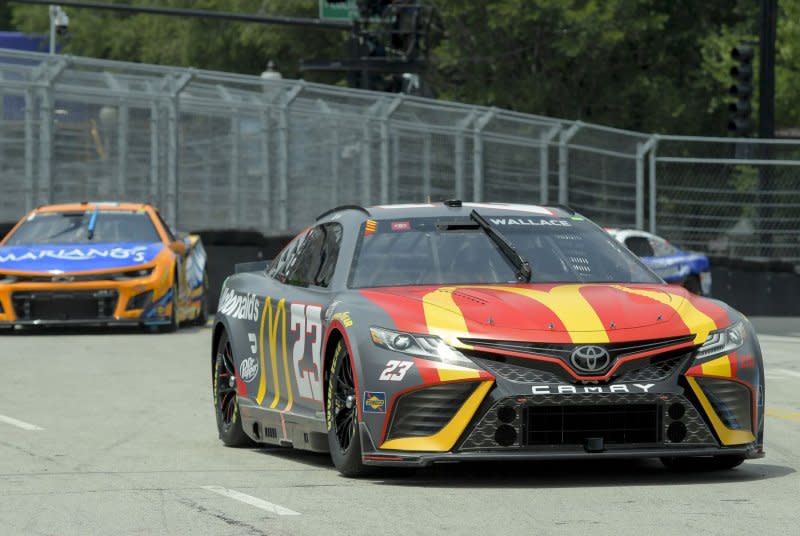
x: 426, y: 411
x: 66, y: 305
x: 676, y: 423
x: 572, y: 425
x: 516, y: 372
x: 654, y: 372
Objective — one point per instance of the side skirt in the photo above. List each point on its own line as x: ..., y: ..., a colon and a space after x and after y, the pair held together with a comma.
x: 270, y: 427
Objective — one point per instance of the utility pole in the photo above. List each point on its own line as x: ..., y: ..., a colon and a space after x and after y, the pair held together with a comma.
x: 766, y: 119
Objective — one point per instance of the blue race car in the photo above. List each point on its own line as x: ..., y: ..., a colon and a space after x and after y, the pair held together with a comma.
x: 687, y: 268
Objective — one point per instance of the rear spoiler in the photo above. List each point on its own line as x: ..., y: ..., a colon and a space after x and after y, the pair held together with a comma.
x: 254, y: 266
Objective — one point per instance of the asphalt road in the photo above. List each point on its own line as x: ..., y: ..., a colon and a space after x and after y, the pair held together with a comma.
x: 114, y: 434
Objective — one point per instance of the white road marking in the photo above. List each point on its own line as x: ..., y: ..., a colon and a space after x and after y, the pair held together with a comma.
x: 19, y: 424
x: 252, y: 501
x: 780, y: 373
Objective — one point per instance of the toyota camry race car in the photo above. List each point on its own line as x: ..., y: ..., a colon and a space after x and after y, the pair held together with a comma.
x: 100, y: 263
x: 690, y: 269
x: 412, y: 334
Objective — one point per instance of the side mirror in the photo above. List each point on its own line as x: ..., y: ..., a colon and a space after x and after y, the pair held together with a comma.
x: 178, y: 247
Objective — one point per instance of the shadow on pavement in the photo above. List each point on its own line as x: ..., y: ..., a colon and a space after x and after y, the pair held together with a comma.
x: 543, y: 474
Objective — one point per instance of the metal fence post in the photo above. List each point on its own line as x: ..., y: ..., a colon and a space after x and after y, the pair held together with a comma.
x: 283, y: 155
x: 30, y: 103
x: 234, y: 190
x: 49, y: 76
x: 155, y: 148
x: 459, y: 163
x: 176, y: 87
x: 122, y: 149
x: 384, y: 134
x: 544, y: 163
x: 477, y: 159
x: 563, y: 161
x: 334, y: 152
x: 426, y: 167
x: 641, y: 150
x: 653, y: 188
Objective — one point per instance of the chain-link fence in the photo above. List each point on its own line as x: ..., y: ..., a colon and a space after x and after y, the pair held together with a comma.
x: 223, y: 151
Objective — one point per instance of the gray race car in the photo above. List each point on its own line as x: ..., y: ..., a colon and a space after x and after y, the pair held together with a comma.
x: 406, y: 335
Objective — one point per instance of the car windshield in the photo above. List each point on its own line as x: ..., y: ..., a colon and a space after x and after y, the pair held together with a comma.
x: 436, y: 251
x: 81, y: 227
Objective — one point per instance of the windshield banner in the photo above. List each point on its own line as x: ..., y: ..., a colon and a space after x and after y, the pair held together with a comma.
x: 76, y: 257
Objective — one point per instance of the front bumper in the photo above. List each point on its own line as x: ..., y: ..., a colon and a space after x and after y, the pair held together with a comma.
x: 147, y: 300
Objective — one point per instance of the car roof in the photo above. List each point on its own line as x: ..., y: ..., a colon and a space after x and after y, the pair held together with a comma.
x: 92, y: 205
x: 447, y: 208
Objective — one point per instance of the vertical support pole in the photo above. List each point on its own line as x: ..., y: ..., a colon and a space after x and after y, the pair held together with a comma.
x: 173, y: 141
x: 366, y: 165
x: 170, y: 203
x: 563, y: 162
x: 44, y: 194
x: 653, y: 185
x: 155, y: 147
x: 283, y: 156
x: 384, y: 137
x: 426, y: 167
x: 459, y: 163
x: 544, y: 163
x: 477, y: 159
x: 236, y: 190
x: 335, y: 148
x: 641, y: 150
x: 122, y: 150
x: 395, y: 183
x: 30, y: 103
x: 266, y: 177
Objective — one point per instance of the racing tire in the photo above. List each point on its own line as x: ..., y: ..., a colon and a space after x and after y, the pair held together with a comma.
x: 226, y: 399
x: 341, y: 415
x: 698, y: 464
x: 173, y: 318
x: 692, y: 284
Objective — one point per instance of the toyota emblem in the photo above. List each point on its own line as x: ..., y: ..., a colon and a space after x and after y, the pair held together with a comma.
x: 591, y: 359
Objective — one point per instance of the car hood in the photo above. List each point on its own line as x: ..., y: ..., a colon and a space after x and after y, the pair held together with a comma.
x: 551, y: 313
x: 69, y: 258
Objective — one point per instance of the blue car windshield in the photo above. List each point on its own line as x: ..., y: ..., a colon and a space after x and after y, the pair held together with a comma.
x: 83, y: 227
x: 440, y: 251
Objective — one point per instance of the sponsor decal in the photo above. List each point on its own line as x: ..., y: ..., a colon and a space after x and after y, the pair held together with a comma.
x: 536, y: 222
x: 401, y: 226
x: 591, y: 389
x: 370, y: 227
x: 134, y: 254
x: 374, y: 402
x: 344, y: 318
x: 239, y: 306
x: 248, y: 370
x: 330, y: 310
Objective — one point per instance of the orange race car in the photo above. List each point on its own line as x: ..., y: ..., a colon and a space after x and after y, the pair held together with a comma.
x: 101, y: 263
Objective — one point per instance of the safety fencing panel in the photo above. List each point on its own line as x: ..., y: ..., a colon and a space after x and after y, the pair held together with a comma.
x: 224, y: 151
x: 735, y: 198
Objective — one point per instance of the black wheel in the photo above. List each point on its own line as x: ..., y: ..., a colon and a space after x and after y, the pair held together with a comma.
x: 692, y: 284
x: 202, y: 316
x: 341, y: 414
x: 173, y: 319
x: 698, y: 464
x: 226, y: 402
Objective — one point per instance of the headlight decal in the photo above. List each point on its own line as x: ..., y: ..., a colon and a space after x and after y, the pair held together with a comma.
x: 418, y: 345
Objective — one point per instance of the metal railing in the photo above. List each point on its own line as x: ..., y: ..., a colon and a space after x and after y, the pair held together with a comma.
x: 224, y: 151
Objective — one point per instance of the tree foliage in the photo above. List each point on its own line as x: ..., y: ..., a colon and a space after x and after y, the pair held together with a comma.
x: 652, y: 65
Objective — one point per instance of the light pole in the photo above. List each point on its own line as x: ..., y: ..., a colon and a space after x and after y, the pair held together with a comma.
x: 271, y: 73
x: 59, y: 24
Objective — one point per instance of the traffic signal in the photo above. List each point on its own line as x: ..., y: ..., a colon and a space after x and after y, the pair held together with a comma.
x: 739, y: 123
